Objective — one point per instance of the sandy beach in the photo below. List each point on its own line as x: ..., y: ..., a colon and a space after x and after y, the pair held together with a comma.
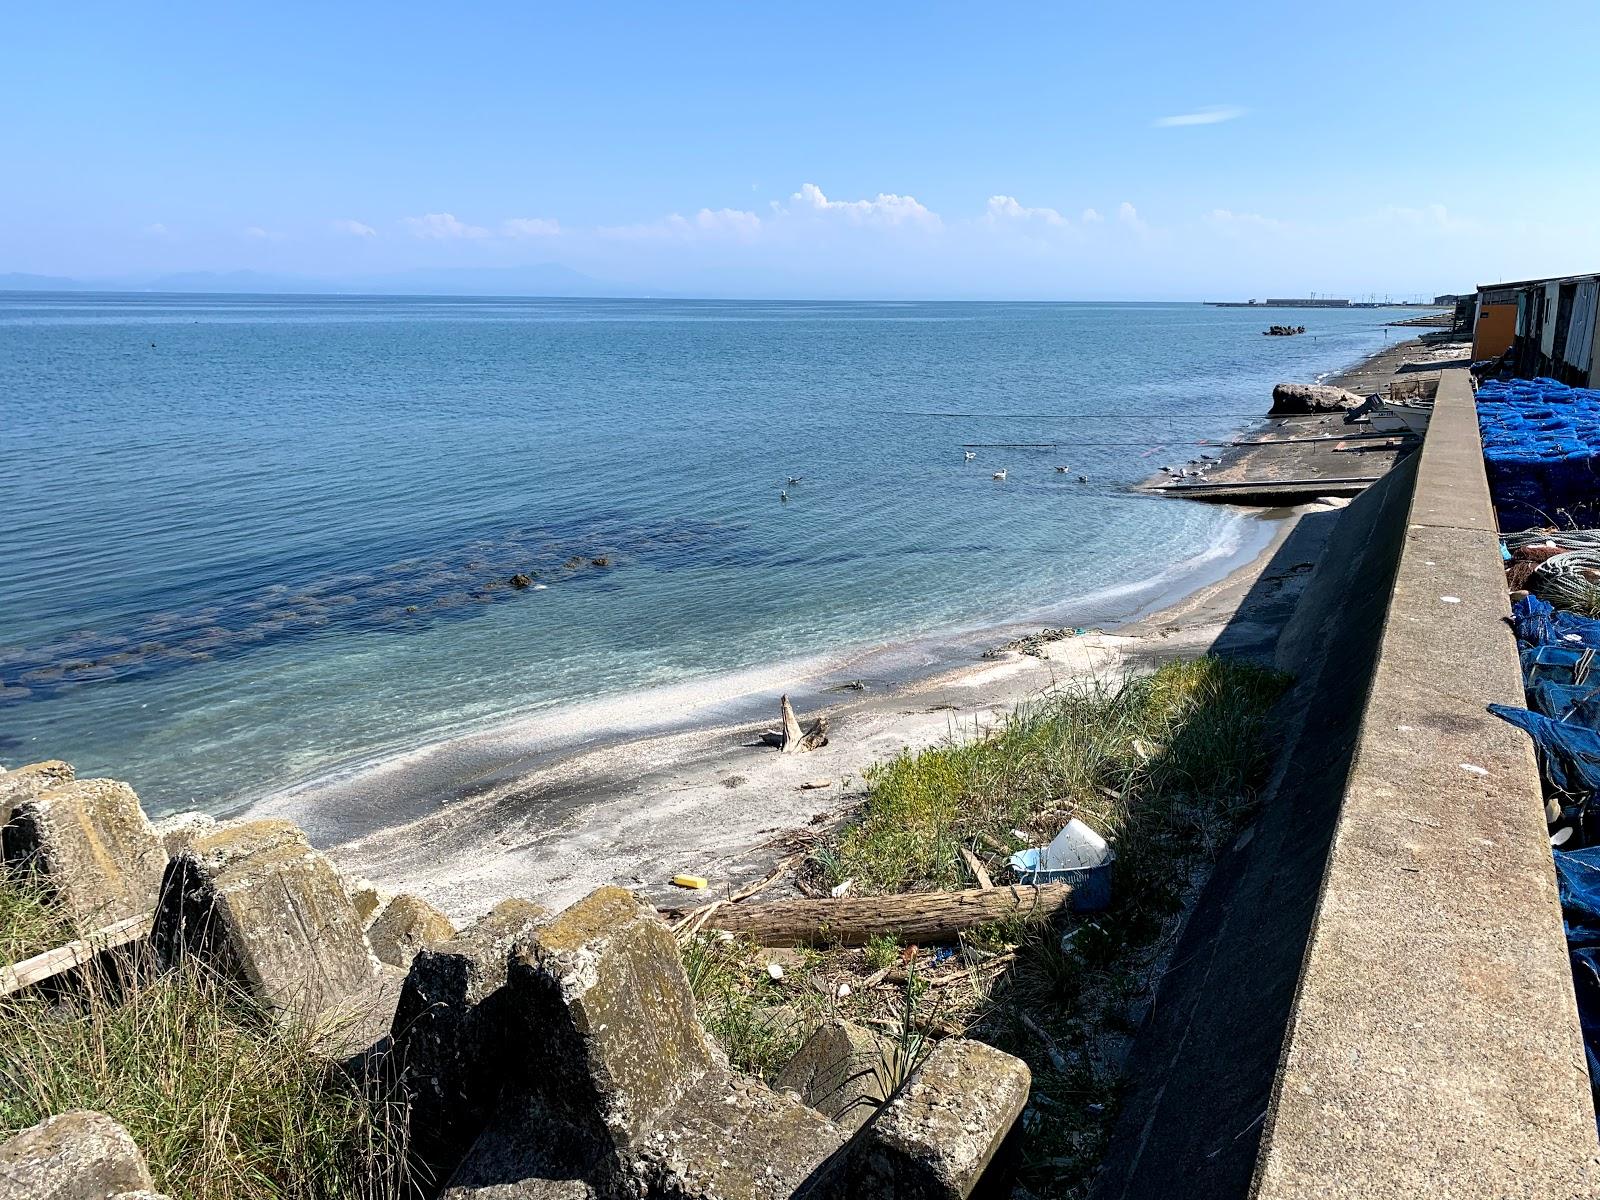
x: 711, y: 800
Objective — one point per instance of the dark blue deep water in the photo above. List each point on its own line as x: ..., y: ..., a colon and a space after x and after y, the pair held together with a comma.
x: 247, y: 540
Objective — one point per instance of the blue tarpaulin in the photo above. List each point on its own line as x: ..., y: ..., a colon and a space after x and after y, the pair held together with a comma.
x: 1553, y: 663
x: 1578, y: 878
x: 1541, y: 445
x: 1570, y: 753
x: 1539, y: 624
x: 1571, y: 704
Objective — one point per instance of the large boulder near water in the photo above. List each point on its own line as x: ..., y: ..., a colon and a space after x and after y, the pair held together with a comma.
x: 1291, y: 399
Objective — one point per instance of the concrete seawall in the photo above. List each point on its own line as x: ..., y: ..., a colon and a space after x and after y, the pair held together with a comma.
x: 1373, y: 998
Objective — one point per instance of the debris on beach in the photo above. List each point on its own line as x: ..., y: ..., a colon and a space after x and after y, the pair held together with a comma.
x: 1035, y: 643
x: 814, y: 785
x: 791, y: 739
x: 692, y: 882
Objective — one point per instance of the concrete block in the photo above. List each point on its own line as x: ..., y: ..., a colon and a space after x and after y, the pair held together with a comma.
x: 524, y: 1155
x: 179, y: 830
x: 26, y: 782
x: 451, y: 1030
x: 937, y: 1136
x: 78, y: 1155
x: 607, y: 1008
x: 89, y: 843
x: 368, y: 898
x: 408, y: 924
x: 257, y: 902
x: 842, y: 1071
x: 734, y: 1136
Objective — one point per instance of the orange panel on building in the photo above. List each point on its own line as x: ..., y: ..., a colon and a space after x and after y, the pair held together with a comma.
x: 1495, y: 328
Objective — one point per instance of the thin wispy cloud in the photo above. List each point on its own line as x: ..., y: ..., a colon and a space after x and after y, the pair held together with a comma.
x: 355, y: 229
x: 530, y: 227
x: 442, y: 227
x: 1202, y: 116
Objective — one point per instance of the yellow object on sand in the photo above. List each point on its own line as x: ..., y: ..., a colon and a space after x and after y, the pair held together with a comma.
x: 689, y: 881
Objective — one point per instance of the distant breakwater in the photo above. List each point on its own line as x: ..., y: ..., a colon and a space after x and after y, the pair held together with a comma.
x: 409, y: 594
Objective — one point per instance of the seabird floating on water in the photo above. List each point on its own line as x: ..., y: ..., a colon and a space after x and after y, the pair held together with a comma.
x: 971, y: 454
x: 1000, y: 474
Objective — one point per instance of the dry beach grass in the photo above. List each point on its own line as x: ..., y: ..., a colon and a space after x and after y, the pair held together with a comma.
x: 226, y: 1102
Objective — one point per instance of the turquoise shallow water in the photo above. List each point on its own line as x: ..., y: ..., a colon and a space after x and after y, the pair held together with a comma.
x: 249, y: 540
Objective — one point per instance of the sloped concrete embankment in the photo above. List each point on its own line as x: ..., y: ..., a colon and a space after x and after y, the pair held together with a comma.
x: 1372, y: 998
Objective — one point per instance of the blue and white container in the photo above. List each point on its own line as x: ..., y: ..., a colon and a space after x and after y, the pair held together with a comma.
x: 1078, y: 856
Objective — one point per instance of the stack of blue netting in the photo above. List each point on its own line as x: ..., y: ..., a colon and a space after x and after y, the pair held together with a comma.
x: 1541, y: 441
x: 1563, y: 718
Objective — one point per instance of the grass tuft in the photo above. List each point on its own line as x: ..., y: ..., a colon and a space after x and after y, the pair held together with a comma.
x: 1187, y: 738
x: 226, y: 1102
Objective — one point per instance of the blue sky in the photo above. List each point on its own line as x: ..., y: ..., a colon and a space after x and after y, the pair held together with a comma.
x: 1071, y: 150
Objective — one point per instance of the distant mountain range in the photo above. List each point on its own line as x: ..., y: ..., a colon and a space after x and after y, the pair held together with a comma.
x: 542, y: 279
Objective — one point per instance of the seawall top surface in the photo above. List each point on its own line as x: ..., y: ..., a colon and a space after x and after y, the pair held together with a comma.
x: 1434, y: 1047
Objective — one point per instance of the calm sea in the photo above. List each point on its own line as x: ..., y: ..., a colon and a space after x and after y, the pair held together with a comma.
x: 248, y: 541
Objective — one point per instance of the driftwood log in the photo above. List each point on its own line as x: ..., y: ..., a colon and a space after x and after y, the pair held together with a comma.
x: 791, y: 738
x: 921, y: 917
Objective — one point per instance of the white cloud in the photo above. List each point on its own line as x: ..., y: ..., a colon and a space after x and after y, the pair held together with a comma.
x: 354, y: 229
x: 259, y: 234
x: 1008, y: 208
x: 442, y: 227
x: 728, y: 220
x: 1224, y: 218
x: 1128, y: 215
x: 707, y: 223
x: 156, y: 230
x: 1429, y: 218
x: 530, y: 227
x: 1091, y: 217
x: 1204, y: 116
x: 886, y: 209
